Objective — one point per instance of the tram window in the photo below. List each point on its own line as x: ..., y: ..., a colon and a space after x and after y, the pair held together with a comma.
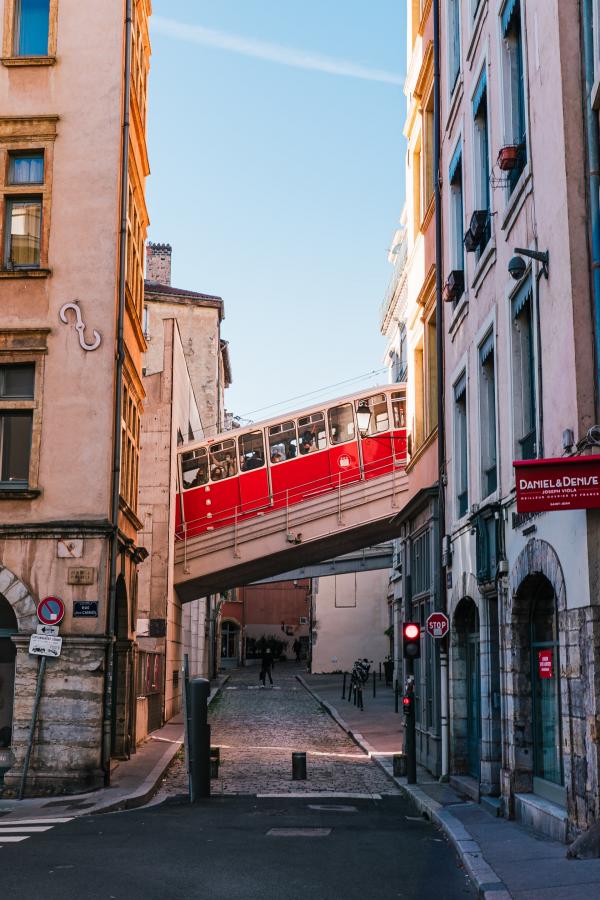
x: 311, y: 430
x: 283, y: 443
x: 341, y: 423
x: 252, y: 451
x: 194, y: 468
x: 379, y: 420
x: 222, y: 460
x: 399, y: 409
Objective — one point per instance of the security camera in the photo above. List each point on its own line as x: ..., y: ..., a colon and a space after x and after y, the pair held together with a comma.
x: 517, y: 267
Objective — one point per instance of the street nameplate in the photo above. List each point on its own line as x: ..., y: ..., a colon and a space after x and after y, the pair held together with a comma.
x: 85, y: 609
x: 81, y: 575
x: 47, y: 629
x: 45, y: 645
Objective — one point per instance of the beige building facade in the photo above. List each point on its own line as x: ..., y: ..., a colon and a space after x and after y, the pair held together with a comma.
x: 71, y: 284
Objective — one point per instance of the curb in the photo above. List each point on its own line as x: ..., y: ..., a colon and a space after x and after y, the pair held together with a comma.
x: 136, y: 798
x: 488, y: 884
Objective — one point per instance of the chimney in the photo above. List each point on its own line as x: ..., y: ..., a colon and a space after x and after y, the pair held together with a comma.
x: 158, y: 263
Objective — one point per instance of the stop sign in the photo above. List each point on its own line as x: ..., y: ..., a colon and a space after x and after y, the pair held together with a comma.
x: 438, y: 625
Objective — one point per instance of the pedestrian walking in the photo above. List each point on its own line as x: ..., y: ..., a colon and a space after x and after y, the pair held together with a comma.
x: 266, y: 666
x: 297, y: 648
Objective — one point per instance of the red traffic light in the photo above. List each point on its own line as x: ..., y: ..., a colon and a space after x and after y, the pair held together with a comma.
x: 406, y: 701
x: 411, y: 640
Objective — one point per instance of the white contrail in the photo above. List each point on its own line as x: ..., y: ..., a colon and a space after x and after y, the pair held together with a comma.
x: 285, y: 56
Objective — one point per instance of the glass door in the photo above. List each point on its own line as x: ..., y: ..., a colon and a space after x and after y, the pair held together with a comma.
x: 473, y: 704
x: 545, y: 684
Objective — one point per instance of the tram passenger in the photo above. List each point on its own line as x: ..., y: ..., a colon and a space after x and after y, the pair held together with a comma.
x: 276, y: 456
x: 307, y: 442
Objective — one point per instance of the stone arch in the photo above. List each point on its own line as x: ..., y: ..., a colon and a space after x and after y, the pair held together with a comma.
x: 536, y: 570
x: 539, y: 558
x: 18, y: 595
x: 464, y: 586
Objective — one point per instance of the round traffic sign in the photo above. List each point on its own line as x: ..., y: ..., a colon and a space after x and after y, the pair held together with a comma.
x: 438, y: 625
x: 51, y: 611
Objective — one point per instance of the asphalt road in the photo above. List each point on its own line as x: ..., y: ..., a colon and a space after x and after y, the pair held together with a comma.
x: 222, y: 850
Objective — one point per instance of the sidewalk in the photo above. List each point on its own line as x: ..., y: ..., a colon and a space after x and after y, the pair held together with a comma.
x: 134, y: 781
x: 503, y: 859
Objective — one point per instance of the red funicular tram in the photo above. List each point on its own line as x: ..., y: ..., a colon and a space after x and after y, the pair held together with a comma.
x: 268, y: 465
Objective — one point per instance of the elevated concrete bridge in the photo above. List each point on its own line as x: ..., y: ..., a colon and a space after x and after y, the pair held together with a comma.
x: 276, y: 542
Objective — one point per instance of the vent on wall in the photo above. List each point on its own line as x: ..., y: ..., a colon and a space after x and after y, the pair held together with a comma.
x: 303, y: 620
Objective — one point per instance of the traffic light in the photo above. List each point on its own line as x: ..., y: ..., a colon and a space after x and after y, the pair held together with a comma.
x: 411, y: 640
x: 407, y: 704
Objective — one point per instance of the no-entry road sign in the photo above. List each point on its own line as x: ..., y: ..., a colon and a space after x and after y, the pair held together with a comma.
x: 51, y: 611
x: 438, y: 625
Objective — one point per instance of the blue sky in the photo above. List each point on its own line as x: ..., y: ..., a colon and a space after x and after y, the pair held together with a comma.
x: 275, y: 138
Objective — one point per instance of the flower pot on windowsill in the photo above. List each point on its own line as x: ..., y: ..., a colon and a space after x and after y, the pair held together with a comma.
x: 455, y: 286
x: 509, y: 157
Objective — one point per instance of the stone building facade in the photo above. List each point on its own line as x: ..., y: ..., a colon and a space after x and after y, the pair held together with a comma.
x: 69, y: 414
x: 186, y: 370
x: 519, y: 384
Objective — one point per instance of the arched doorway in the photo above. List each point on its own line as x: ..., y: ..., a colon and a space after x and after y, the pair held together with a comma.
x: 467, y: 704
x: 8, y: 654
x: 545, y: 684
x: 230, y: 644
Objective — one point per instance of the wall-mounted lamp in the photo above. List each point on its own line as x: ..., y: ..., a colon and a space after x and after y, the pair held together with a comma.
x: 517, y: 264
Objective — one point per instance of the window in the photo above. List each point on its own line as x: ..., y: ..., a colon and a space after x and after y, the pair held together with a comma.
x: 311, y: 430
x: 417, y: 192
x: 26, y: 168
x: 130, y: 448
x: 341, y: 424
x: 487, y: 416
x: 399, y: 409
x: 401, y: 369
x: 136, y: 236
x: 481, y: 158
x: 428, y: 168
x: 283, y: 442
x: 457, y: 227
x: 453, y: 43
x: 194, y: 468
x: 432, y: 380
x: 419, y: 395
x: 460, y: 446
x: 148, y: 673
x: 523, y: 377
x: 223, y: 463
x: 379, y: 420
x: 252, y: 451
x: 23, y: 232
x: 514, y: 90
x: 17, y: 383
x: 31, y: 27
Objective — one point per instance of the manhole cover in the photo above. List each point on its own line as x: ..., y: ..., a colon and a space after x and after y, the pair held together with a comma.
x: 298, y: 832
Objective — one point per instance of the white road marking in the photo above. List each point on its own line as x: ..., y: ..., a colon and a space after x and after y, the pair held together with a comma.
x: 18, y: 829
x: 12, y: 839
x: 311, y: 795
x: 298, y: 832
x: 39, y: 821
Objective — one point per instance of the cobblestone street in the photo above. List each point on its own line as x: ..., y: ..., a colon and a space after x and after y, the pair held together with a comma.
x: 257, y: 729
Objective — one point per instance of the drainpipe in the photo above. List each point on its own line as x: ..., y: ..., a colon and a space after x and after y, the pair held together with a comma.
x: 441, y: 442
x: 116, y: 463
x: 593, y: 153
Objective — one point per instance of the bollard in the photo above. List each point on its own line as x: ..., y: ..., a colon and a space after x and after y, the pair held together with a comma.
x: 298, y: 766
x: 399, y: 762
x: 380, y: 671
x: 360, y: 699
x: 355, y: 695
x: 374, y: 684
x: 396, y: 693
x: 199, y: 739
x: 344, y: 688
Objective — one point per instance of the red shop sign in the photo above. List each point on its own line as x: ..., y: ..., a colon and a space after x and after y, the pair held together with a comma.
x: 545, y: 664
x: 544, y: 485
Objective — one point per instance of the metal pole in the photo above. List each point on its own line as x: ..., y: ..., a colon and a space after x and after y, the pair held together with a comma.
x: 344, y: 687
x: 410, y: 727
x: 396, y: 694
x: 444, y: 712
x: 380, y: 670
x: 36, y: 703
x: 375, y: 682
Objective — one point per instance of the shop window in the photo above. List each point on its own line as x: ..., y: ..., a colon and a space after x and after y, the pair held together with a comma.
x: 341, y: 424
x: 17, y: 385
